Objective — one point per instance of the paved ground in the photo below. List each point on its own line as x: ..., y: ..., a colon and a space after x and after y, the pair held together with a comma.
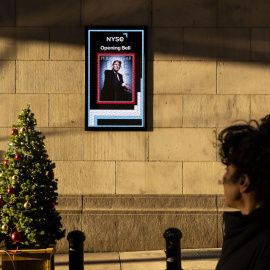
x: 139, y: 260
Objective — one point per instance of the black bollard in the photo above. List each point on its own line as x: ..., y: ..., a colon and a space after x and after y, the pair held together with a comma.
x: 173, y: 248
x: 76, y: 252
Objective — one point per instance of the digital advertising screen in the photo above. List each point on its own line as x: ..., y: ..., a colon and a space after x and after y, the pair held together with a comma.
x: 115, y: 97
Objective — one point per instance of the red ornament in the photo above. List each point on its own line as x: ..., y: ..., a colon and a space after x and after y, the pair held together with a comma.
x: 14, y: 131
x: 6, y: 162
x: 52, y: 204
x: 18, y: 157
x: 51, y: 174
x: 10, y: 190
x: 1, y: 201
x: 16, y: 237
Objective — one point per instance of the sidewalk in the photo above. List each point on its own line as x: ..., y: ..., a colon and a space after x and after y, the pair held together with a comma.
x: 139, y: 260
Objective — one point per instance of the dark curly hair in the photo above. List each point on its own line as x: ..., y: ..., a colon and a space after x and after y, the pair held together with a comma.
x: 247, y: 147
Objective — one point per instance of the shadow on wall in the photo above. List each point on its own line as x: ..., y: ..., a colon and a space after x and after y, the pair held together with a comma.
x: 64, y: 20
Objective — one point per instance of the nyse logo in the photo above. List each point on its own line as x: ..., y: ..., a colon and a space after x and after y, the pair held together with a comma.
x: 115, y: 39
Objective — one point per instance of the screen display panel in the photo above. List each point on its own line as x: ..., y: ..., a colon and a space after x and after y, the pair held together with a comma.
x: 115, y: 78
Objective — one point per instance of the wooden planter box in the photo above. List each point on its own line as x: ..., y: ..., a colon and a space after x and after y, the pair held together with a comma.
x: 28, y: 259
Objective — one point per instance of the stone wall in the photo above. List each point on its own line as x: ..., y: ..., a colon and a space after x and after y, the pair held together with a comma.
x: 208, y: 65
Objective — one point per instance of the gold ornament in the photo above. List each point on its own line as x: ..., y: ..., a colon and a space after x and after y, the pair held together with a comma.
x: 23, y: 130
x: 27, y: 205
x: 15, y: 178
x: 5, y: 227
x: 1, y: 174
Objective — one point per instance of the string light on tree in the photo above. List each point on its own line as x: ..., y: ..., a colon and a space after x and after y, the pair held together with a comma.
x: 5, y: 227
x: 15, y: 178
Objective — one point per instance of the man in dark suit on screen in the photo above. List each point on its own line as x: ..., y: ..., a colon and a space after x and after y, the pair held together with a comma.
x: 114, y: 88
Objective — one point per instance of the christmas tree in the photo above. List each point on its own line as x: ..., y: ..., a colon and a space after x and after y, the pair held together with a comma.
x: 28, y: 218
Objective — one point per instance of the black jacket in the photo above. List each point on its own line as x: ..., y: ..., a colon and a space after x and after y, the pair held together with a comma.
x: 246, y: 243
x: 113, y: 89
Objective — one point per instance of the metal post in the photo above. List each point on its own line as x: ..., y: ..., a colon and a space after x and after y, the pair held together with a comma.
x: 76, y: 252
x: 173, y: 248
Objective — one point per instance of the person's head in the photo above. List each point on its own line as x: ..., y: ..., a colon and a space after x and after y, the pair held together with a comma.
x: 245, y: 150
x: 116, y: 65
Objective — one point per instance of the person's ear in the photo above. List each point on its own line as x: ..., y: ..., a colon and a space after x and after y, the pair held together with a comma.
x: 244, y: 183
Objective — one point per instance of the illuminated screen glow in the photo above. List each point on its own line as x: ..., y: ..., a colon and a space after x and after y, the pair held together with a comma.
x: 115, y: 78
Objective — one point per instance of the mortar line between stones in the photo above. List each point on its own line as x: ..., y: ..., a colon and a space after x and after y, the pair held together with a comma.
x: 82, y: 216
x: 216, y: 77
x: 115, y: 177
x: 15, y: 76
x: 152, y: 13
x: 249, y: 107
x: 250, y: 38
x: 182, y: 177
x: 48, y: 110
x: 217, y: 24
x: 217, y: 217
x: 49, y: 43
x: 120, y: 263
x: 81, y: 8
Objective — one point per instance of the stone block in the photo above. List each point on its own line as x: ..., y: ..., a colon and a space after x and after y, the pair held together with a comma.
x: 260, y: 44
x: 243, y: 13
x: 150, y: 178
x: 189, y: 77
x: 131, y: 231
x: 147, y: 202
x: 84, y: 177
x: 221, y: 203
x: 115, y: 146
x: 214, y: 110
x: 118, y: 12
x: 48, y: 13
x: 220, y: 230
x: 7, y: 43
x: 167, y: 43
x: 67, y: 43
x: 12, y: 104
x: 50, y: 77
x: 167, y: 111
x: 7, y: 77
x: 71, y: 220
x: 8, y: 13
x: 217, y: 43
x: 184, y: 13
x: 61, y: 143
x: 202, y: 177
x: 259, y: 106
x: 187, y: 144
x: 32, y: 43
x: 243, y: 78
x: 222, y: 206
x: 4, y: 140
x: 66, y: 110
x: 70, y: 202
x: 137, y: 222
